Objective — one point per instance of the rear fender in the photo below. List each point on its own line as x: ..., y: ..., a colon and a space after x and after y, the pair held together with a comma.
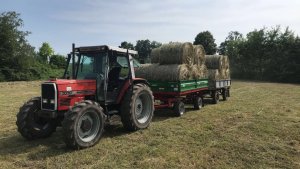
x: 127, y: 85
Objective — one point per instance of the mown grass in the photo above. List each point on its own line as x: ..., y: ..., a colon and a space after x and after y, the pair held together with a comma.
x: 258, y: 127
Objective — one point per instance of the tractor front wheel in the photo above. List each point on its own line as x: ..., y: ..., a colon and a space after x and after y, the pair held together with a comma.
x: 83, y: 125
x: 30, y: 124
x: 137, y: 107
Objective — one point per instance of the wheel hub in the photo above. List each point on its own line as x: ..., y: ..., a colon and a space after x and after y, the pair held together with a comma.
x: 139, y: 107
x: 86, y: 125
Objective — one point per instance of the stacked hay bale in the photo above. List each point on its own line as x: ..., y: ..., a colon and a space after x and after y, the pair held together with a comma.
x: 218, y: 67
x: 175, y: 62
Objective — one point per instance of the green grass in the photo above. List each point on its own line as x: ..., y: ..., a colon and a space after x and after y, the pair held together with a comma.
x: 258, y: 127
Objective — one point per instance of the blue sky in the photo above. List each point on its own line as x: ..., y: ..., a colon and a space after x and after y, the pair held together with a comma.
x: 96, y: 22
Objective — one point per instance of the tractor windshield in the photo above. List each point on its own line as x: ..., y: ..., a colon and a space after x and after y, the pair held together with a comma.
x: 91, y: 65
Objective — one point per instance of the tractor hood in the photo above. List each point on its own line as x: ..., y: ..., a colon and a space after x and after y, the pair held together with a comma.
x: 72, y: 81
x: 68, y: 92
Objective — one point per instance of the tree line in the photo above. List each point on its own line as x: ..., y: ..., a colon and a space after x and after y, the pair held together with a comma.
x: 263, y: 54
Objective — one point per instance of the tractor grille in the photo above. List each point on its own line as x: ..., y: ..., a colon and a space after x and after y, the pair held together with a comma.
x: 49, y: 96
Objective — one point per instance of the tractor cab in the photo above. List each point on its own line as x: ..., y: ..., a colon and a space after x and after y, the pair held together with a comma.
x: 110, y: 67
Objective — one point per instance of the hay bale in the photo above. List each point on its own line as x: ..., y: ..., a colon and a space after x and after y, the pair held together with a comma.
x: 158, y: 72
x: 198, y: 71
x: 214, y: 61
x: 214, y: 74
x: 199, y: 55
x: 176, y: 53
x: 154, y: 55
x: 220, y: 63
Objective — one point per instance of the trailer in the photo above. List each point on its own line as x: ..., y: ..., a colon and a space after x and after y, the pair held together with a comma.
x: 217, y: 88
x: 175, y: 94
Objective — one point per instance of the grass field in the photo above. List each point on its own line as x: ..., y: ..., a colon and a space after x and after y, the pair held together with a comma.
x: 258, y: 127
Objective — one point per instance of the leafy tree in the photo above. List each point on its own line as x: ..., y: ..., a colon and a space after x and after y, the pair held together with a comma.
x: 144, y: 48
x: 127, y: 45
x: 58, y: 61
x: 16, y: 54
x: 15, y: 51
x: 207, y: 40
x: 155, y: 44
x: 45, y: 51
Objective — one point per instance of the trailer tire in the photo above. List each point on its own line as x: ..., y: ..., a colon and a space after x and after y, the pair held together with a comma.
x: 137, y: 107
x: 228, y: 92
x: 198, y: 103
x: 179, y: 108
x: 224, y: 94
x: 215, y: 97
x: 30, y: 125
x: 83, y: 125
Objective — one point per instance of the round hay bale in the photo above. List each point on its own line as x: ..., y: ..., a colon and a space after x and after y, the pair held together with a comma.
x: 199, y: 54
x: 157, y: 72
x: 154, y: 55
x: 214, y: 74
x: 214, y: 61
x: 198, y: 71
x: 177, y: 53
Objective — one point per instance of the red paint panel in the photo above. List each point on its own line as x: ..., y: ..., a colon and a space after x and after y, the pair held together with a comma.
x: 73, y: 91
x: 123, y: 91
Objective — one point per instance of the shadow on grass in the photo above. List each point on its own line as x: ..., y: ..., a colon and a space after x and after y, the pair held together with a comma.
x: 36, y: 149
x: 53, y: 146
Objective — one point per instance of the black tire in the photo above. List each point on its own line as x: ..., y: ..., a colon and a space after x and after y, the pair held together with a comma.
x: 215, y: 97
x: 83, y: 125
x: 137, y: 107
x: 179, y: 108
x: 228, y: 92
x: 198, y: 103
x: 224, y: 94
x: 30, y: 125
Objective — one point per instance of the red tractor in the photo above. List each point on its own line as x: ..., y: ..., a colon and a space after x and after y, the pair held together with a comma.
x: 98, y: 82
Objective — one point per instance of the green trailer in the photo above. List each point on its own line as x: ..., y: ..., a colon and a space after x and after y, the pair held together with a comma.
x: 174, y: 94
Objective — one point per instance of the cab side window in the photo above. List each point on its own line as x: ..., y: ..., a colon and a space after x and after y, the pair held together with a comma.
x: 123, y: 62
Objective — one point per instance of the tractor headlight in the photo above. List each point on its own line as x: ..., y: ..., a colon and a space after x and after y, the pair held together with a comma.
x: 45, y: 100
x: 52, y: 101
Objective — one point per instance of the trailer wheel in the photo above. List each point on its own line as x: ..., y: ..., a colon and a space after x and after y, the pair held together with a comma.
x: 198, y: 103
x: 224, y: 94
x: 137, y: 107
x: 30, y: 125
x: 215, y: 97
x: 228, y: 92
x: 83, y: 125
x: 179, y: 108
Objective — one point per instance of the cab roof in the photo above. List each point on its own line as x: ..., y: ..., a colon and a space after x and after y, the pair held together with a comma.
x: 104, y: 48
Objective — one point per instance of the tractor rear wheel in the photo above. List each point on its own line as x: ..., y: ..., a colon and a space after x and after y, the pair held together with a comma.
x: 137, y: 107
x: 83, y: 125
x: 30, y: 124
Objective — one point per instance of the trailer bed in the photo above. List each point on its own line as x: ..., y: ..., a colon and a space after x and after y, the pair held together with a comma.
x: 178, y: 88
x: 219, y: 84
